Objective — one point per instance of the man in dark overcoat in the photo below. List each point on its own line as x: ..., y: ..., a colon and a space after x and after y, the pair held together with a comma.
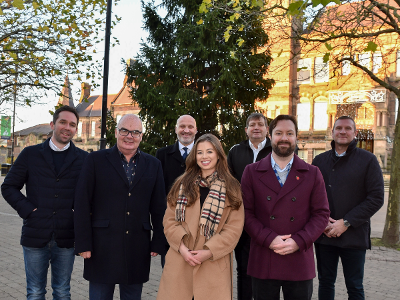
x: 354, y: 184
x: 255, y: 148
x: 50, y: 172
x: 120, y: 199
x: 173, y: 156
x: 286, y: 210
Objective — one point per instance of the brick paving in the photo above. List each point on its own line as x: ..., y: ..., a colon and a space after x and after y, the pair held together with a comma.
x: 382, y: 268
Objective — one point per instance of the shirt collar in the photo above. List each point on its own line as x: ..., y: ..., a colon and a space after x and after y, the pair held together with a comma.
x: 189, y: 147
x: 260, y: 145
x: 340, y: 155
x: 122, y: 156
x: 55, y: 148
x: 276, y: 166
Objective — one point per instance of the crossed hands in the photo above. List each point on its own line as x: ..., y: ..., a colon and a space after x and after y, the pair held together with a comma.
x: 284, y: 244
x: 194, y: 257
x: 335, y: 228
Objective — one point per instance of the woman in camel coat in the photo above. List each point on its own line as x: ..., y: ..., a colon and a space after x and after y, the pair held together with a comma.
x: 203, y: 223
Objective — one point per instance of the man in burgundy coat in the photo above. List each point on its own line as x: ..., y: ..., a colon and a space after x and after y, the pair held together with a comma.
x: 286, y: 211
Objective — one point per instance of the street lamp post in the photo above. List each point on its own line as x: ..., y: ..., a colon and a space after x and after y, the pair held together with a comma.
x: 105, y: 76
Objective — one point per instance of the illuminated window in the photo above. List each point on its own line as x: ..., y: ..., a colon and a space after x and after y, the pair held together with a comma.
x: 93, y: 129
x: 398, y: 64
x: 364, y: 60
x: 317, y: 152
x: 320, y: 115
x: 321, y: 70
x: 376, y: 62
x: 304, y: 71
x: 303, y: 116
x: 79, y: 129
x: 345, y: 67
x: 303, y: 154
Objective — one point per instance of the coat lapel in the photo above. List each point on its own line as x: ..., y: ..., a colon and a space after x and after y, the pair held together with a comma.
x: 140, y: 170
x: 72, y: 154
x: 48, y: 157
x: 267, y: 175
x: 295, y: 176
x: 115, y: 161
x: 176, y: 154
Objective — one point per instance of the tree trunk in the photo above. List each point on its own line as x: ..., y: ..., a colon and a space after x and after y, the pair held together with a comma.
x: 392, y: 224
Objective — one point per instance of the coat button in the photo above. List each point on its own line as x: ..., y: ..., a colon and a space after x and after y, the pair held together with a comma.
x: 129, y: 194
x: 55, y: 196
x: 268, y: 198
x: 333, y: 170
x: 272, y: 217
x: 127, y: 213
x: 54, y: 212
x: 127, y: 232
x: 294, y: 199
x: 183, y: 165
x: 291, y: 219
x: 58, y: 179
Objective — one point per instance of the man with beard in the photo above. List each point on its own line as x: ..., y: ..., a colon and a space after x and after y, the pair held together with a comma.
x: 173, y: 156
x: 354, y: 184
x: 50, y: 172
x: 286, y: 211
x: 247, y: 152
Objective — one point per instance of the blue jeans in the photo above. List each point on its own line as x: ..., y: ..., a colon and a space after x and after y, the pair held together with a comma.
x: 105, y: 291
x: 353, y: 261
x: 36, y: 265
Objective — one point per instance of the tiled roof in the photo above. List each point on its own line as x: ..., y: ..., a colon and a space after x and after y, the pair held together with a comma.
x: 40, y: 129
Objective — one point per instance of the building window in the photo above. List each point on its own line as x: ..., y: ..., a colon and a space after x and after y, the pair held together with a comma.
x: 320, y: 115
x: 345, y: 67
x: 304, y: 71
x: 376, y: 62
x: 317, y: 152
x: 303, y: 116
x: 364, y: 60
x: 321, y: 70
x: 79, y: 129
x: 93, y: 132
x: 118, y: 118
x: 303, y: 154
x: 396, y: 110
x: 398, y: 64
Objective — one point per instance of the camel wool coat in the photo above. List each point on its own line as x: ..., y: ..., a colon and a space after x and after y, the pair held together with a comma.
x: 211, y: 279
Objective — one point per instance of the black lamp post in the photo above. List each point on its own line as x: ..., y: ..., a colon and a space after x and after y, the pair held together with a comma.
x: 105, y: 76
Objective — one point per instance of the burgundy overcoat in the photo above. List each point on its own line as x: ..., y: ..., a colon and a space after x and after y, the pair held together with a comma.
x: 299, y: 208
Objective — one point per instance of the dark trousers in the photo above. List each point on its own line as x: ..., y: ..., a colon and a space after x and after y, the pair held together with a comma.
x: 105, y: 291
x: 242, y: 250
x: 353, y: 261
x: 269, y: 289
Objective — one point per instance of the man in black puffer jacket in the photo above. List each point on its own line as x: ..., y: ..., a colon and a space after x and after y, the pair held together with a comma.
x: 354, y: 185
x: 50, y: 172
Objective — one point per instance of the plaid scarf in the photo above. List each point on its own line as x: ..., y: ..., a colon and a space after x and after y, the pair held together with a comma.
x: 212, y: 208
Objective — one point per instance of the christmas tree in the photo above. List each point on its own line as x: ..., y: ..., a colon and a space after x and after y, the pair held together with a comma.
x: 188, y: 66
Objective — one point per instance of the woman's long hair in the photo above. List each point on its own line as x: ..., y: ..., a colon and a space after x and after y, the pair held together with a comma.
x: 187, y: 179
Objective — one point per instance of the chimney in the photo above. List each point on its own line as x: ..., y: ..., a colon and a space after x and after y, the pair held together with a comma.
x: 85, y: 91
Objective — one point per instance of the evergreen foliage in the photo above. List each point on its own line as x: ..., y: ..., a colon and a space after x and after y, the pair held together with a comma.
x: 186, y: 66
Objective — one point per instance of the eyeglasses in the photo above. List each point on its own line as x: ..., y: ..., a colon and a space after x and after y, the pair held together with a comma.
x: 126, y: 132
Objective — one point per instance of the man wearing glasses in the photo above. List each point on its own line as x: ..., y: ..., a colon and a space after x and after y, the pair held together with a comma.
x: 120, y: 199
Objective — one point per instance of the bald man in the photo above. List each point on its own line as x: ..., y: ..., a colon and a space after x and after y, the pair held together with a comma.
x: 173, y: 156
x: 120, y: 199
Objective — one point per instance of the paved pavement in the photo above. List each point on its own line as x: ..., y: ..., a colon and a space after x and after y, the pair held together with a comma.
x: 382, y: 276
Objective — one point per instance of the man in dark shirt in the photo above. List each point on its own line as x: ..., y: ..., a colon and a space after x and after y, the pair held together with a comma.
x: 249, y: 151
x: 173, y: 156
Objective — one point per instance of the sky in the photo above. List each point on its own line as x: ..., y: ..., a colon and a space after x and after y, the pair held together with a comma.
x: 129, y: 32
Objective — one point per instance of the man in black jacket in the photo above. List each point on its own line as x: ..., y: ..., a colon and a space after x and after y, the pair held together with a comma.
x: 173, y: 156
x: 354, y: 184
x: 249, y: 151
x: 50, y: 172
